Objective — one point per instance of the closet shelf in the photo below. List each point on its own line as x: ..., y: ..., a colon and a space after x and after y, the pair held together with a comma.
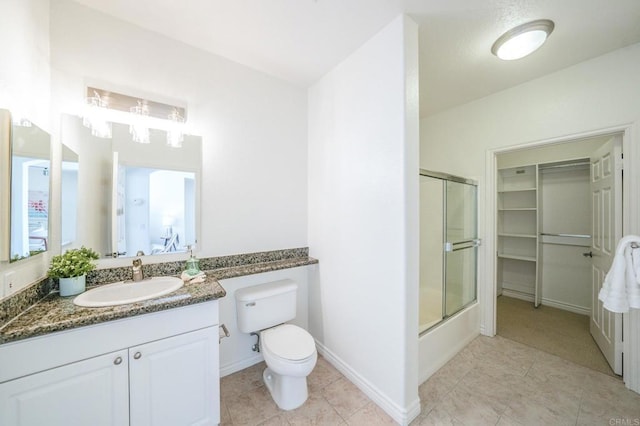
x: 515, y: 257
x: 518, y: 209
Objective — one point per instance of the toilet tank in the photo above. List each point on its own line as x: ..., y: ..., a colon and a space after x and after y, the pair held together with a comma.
x: 265, y: 305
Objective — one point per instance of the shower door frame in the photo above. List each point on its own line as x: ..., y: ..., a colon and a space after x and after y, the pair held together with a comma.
x: 444, y: 177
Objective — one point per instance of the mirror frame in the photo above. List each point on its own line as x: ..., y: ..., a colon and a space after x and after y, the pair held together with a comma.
x: 5, y: 184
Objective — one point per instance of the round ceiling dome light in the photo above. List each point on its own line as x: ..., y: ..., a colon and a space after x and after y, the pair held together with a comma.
x: 522, y: 40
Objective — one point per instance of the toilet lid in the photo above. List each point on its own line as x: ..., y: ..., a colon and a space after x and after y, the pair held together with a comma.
x: 289, y: 342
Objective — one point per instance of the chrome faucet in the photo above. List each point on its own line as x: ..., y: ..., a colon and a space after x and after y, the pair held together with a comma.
x: 137, y: 270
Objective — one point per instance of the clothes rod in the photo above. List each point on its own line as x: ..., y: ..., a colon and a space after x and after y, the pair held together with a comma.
x: 565, y: 235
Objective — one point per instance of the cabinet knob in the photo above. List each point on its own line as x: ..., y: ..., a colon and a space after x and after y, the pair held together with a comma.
x: 137, y: 355
x: 118, y: 361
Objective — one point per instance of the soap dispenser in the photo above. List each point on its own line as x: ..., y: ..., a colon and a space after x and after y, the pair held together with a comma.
x: 193, y: 264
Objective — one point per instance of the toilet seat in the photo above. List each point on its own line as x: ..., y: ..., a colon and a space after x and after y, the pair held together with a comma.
x: 288, y: 342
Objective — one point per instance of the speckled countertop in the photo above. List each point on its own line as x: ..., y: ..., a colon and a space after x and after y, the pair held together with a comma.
x: 54, y: 313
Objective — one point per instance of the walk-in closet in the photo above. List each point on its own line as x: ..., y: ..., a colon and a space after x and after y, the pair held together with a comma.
x: 551, y: 219
x: 544, y: 234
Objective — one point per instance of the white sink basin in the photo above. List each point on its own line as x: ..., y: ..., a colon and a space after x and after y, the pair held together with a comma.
x: 124, y: 292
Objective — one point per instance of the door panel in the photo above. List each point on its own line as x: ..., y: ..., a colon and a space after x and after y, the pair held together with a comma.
x: 606, y: 195
x: 462, y: 240
x: 431, y: 253
x: 90, y: 392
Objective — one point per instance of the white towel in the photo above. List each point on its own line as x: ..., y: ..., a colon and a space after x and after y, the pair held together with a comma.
x: 633, y: 287
x: 620, y: 289
x: 197, y: 278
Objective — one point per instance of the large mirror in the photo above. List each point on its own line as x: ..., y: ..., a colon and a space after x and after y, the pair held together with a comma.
x: 133, y: 199
x: 69, y: 191
x: 30, y: 153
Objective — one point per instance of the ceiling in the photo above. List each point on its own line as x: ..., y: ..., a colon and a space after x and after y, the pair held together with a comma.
x: 300, y: 40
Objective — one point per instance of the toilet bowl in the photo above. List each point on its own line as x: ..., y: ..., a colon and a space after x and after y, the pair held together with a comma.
x: 289, y: 351
x: 290, y: 354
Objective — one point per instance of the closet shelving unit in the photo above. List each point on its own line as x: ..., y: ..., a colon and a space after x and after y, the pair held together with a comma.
x: 518, y: 231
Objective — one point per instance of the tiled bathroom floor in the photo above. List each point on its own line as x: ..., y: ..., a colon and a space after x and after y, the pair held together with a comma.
x: 496, y: 381
x: 492, y: 381
x: 333, y: 400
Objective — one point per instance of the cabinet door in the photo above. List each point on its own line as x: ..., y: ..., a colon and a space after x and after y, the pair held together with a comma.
x: 90, y: 392
x: 175, y: 381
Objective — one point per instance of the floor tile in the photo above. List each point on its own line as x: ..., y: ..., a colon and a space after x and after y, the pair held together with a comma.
x: 315, y: 411
x: 370, y: 415
x: 345, y: 397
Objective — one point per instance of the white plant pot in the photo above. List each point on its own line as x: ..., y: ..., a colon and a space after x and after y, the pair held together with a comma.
x: 73, y: 285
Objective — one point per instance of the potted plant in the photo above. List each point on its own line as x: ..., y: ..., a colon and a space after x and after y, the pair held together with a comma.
x: 71, y: 269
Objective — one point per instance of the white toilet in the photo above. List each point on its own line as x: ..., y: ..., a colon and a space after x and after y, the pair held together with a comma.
x: 289, y: 351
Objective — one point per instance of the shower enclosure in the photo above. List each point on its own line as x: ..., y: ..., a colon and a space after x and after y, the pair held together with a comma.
x: 448, y: 246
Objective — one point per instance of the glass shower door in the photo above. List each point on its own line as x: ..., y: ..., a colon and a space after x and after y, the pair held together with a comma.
x: 461, y: 246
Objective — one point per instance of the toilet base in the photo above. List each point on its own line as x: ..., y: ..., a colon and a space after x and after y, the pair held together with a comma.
x: 288, y: 392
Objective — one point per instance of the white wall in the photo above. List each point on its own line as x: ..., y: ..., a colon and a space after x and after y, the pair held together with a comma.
x: 253, y: 126
x: 363, y: 207
x: 596, y: 94
x: 24, y: 63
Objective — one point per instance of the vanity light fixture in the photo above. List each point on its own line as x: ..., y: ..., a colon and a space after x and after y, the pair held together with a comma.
x: 522, y: 40
x: 175, y: 132
x: 138, y: 129
x: 94, y: 116
x: 105, y: 107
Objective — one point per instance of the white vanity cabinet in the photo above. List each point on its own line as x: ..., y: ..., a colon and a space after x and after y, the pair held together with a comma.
x: 172, y: 381
x: 89, y: 392
x: 165, y: 371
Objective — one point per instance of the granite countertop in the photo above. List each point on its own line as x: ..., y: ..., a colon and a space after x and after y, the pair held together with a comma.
x: 55, y: 313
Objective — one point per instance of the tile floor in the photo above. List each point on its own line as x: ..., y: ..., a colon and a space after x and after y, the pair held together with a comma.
x: 333, y: 400
x: 496, y: 381
x: 492, y: 381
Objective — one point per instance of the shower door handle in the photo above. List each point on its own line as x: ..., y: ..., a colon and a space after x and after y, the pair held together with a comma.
x: 461, y: 245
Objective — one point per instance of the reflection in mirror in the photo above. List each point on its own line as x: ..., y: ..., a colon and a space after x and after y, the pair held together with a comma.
x: 134, y: 197
x: 30, y: 183
x: 157, y: 214
x: 69, y: 190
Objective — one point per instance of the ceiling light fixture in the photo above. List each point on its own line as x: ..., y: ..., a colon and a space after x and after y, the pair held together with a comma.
x: 522, y: 40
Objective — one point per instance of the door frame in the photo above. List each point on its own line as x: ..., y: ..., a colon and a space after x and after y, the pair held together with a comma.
x: 630, y: 224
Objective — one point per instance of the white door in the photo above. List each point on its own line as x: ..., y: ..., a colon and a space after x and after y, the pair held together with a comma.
x: 606, y: 196
x: 91, y: 392
x: 174, y: 381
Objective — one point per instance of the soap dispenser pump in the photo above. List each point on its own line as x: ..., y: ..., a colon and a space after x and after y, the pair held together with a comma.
x: 193, y: 264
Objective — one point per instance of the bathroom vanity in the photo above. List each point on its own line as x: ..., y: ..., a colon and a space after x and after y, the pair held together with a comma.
x: 154, y: 362
x: 154, y: 369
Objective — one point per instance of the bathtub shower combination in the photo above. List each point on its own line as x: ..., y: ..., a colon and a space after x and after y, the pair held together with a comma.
x: 448, y: 246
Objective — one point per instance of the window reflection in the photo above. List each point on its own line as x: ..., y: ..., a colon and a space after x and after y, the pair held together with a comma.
x: 30, y: 166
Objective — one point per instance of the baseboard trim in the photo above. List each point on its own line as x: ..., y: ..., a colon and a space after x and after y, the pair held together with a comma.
x: 518, y: 295
x: 240, y: 365
x: 567, y: 307
x: 548, y: 302
x: 403, y: 416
